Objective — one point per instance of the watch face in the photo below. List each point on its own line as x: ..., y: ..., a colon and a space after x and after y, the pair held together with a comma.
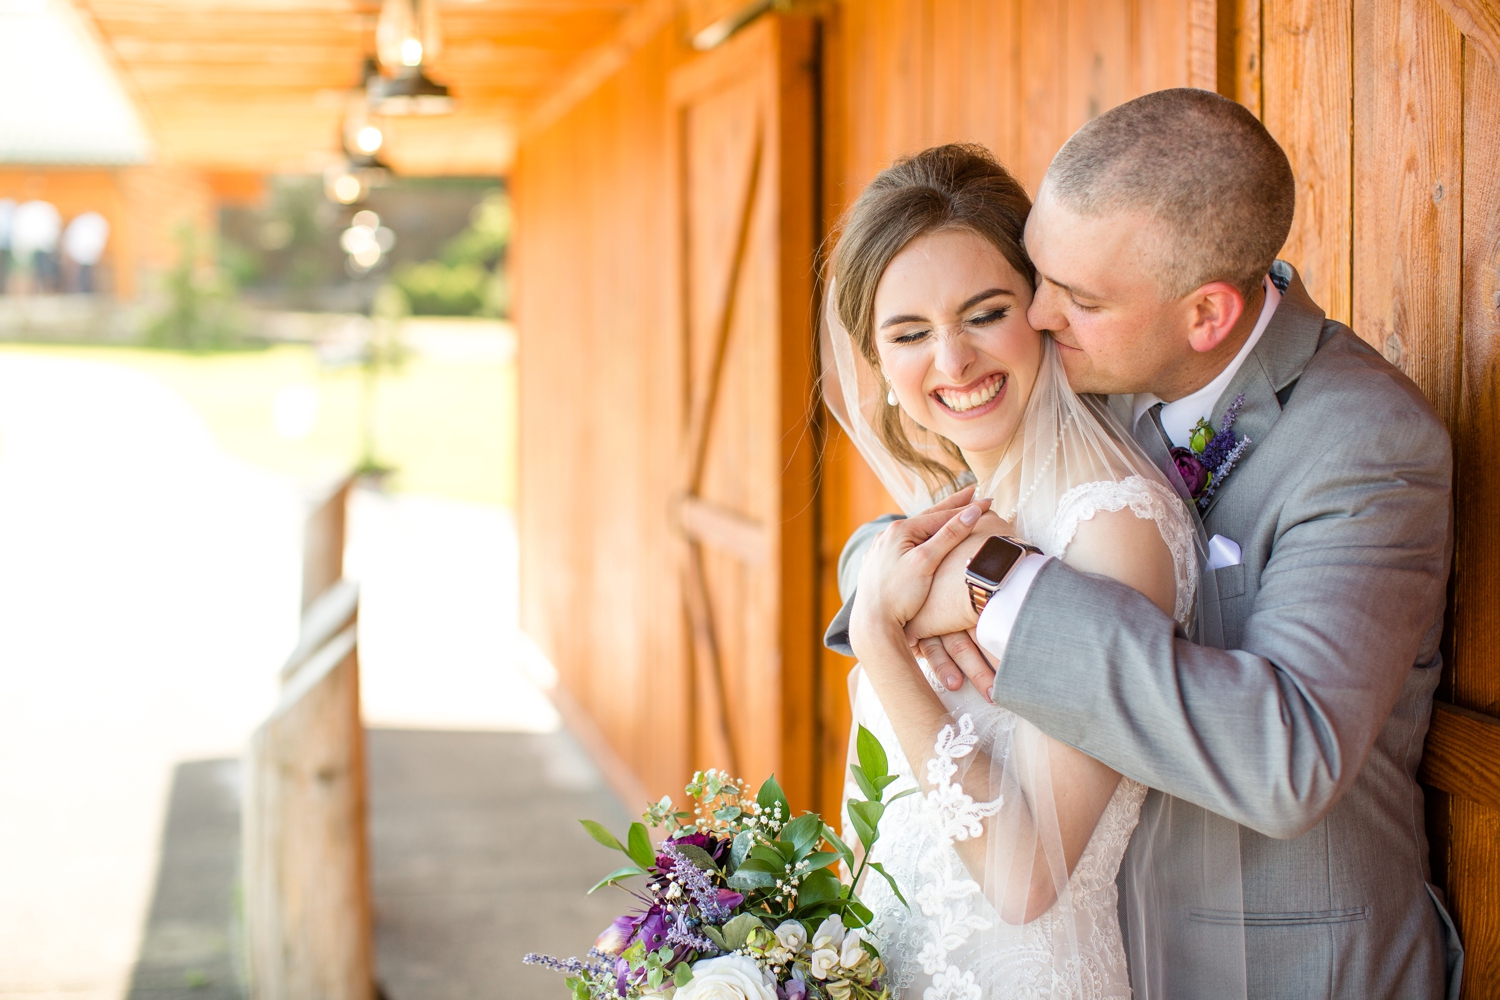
x: 994, y: 559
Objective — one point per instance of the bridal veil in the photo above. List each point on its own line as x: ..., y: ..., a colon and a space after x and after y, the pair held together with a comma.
x: 1008, y: 918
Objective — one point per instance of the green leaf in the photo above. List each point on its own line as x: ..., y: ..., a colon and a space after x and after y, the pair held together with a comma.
x: 737, y: 931
x: 616, y: 875
x: 715, y: 935
x: 770, y: 796
x: 602, y: 835
x: 803, y: 831
x: 640, y: 850
x: 871, y: 790
x: 728, y: 814
x: 748, y: 881
x: 819, y: 860
x: 740, y: 850
x: 683, y: 975
x: 818, y: 887
x: 881, y: 783
x: 871, y: 754
x: 654, y: 976
x: 901, y: 795
x: 862, y: 828
x: 768, y: 854
x: 890, y: 881
x: 698, y: 856
x: 844, y: 850
x: 857, y: 914
x: 761, y: 865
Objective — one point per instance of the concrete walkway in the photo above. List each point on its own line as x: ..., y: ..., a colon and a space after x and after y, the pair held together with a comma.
x: 148, y: 591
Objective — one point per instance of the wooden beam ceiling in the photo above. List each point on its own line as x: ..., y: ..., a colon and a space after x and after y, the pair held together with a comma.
x: 262, y: 85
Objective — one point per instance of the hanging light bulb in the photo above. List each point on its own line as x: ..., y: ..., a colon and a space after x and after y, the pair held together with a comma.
x: 408, y: 38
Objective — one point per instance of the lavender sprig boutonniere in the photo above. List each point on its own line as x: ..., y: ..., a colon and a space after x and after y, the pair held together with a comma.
x: 1211, y: 455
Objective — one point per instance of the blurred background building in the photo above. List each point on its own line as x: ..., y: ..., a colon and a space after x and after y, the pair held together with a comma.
x: 543, y: 274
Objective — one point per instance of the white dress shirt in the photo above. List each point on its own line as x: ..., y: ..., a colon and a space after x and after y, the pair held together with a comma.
x: 1178, y: 418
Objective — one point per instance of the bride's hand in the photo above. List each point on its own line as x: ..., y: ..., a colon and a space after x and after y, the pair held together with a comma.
x: 897, y: 572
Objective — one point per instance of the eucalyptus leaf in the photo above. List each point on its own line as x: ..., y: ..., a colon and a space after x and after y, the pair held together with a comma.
x: 740, y: 849
x: 715, y: 935
x: 737, y: 931
x: 728, y: 814
x: 683, y: 975
x: 749, y: 881
x: 616, y: 875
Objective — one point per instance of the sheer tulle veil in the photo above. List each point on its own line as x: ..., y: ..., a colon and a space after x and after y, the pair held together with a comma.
x: 989, y: 779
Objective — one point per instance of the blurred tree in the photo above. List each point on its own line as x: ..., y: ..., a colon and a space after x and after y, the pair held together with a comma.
x: 469, y: 277
x: 200, y: 311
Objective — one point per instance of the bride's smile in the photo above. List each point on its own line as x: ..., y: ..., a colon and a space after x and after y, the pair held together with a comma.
x: 953, y: 340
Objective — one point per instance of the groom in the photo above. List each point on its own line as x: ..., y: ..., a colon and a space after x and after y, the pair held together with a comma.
x: 1302, y: 712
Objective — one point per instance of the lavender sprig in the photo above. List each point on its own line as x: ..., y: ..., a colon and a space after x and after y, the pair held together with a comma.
x: 1225, y: 467
x: 568, y: 966
x: 697, y: 884
x: 1221, y: 444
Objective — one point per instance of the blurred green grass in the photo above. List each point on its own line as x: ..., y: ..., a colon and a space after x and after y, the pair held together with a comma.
x: 447, y: 427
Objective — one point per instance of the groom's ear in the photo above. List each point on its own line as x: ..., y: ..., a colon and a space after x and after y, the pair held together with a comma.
x: 1215, y: 310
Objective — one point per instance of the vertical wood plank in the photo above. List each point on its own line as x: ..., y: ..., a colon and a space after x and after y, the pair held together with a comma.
x: 1044, y: 75
x: 1307, y: 104
x: 1239, y: 66
x: 1408, y: 224
x: 1474, y: 834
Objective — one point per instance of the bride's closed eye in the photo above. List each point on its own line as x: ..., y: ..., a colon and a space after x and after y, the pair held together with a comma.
x: 989, y: 316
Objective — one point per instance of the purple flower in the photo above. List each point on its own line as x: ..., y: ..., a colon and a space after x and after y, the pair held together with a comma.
x: 1193, y: 472
x: 717, y: 848
x: 793, y: 989
x: 651, y: 930
x: 616, y: 936
x: 730, y: 900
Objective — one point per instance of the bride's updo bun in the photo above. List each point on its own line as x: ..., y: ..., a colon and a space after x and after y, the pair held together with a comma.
x: 960, y: 186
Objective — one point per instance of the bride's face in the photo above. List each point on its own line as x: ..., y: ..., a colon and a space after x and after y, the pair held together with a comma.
x: 951, y: 331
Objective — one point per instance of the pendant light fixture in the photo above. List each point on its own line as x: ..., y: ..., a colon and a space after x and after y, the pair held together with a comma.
x: 407, y: 39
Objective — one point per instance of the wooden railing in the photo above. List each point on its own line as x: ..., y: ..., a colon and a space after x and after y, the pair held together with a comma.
x: 1463, y: 754
x: 306, y: 856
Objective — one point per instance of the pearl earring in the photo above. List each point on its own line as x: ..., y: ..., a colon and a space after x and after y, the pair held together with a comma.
x: 890, y: 397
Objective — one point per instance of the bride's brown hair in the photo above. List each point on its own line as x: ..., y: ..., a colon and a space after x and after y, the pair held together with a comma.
x: 955, y: 187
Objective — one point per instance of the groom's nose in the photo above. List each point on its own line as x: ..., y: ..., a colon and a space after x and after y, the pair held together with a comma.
x: 1045, y: 312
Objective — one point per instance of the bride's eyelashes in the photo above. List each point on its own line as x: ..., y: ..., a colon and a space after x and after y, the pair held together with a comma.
x: 986, y: 318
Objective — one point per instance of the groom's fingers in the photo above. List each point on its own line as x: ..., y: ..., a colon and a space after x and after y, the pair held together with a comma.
x: 941, y: 663
x: 961, y: 648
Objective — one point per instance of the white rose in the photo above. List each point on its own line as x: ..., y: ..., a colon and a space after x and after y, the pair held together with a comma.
x: 791, y: 935
x: 823, y: 961
x: 852, y: 953
x: 729, y: 977
x: 830, y: 933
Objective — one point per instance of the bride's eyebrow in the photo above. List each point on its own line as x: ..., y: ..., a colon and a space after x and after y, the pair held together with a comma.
x: 972, y: 301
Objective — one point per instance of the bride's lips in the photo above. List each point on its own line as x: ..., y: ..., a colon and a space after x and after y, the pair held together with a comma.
x: 980, y: 397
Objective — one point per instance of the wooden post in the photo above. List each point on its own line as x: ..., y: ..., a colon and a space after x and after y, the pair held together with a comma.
x: 306, y: 856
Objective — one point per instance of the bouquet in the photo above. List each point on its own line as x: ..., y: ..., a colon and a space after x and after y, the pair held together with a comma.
x: 742, y: 901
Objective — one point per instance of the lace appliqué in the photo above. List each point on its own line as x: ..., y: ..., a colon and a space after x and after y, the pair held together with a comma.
x: 1147, y: 499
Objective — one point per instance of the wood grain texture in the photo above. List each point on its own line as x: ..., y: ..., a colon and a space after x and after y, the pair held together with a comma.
x: 1463, y: 755
x: 1479, y: 20
x: 1239, y: 55
x: 1307, y: 94
x: 306, y: 864
x: 1408, y: 204
x: 1473, y: 829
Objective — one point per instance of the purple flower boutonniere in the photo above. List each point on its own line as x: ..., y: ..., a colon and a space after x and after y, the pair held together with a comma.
x: 1211, y: 455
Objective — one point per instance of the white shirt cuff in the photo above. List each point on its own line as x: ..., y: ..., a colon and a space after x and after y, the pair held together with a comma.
x: 999, y: 617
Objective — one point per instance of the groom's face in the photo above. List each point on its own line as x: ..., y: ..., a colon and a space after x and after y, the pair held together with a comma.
x: 1098, y: 294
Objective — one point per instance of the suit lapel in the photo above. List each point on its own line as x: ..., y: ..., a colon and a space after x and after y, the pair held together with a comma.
x: 1283, y: 351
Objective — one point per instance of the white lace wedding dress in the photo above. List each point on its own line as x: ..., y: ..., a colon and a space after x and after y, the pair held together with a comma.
x: 951, y: 944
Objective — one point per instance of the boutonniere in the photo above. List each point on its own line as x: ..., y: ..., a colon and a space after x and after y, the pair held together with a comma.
x: 1211, y: 455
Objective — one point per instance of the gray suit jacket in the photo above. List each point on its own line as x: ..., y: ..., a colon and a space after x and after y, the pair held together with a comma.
x: 1307, y: 727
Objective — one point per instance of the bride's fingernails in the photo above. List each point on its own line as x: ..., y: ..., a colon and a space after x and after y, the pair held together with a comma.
x: 971, y: 514
x: 952, y: 682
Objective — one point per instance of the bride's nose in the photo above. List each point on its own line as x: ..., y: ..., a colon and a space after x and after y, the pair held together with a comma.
x: 954, y: 354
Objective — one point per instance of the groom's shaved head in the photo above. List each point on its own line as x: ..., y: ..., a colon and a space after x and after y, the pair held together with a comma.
x: 1202, y: 166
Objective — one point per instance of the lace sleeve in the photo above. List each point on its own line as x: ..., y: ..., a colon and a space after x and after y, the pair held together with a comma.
x: 1146, y: 499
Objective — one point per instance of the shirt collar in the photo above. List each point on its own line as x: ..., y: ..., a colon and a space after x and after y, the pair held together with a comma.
x: 1179, y: 417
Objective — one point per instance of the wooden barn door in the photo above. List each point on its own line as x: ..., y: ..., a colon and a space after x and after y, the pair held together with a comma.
x: 742, y: 141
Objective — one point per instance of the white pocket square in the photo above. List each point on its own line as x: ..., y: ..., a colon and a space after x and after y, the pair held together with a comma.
x: 1223, y: 552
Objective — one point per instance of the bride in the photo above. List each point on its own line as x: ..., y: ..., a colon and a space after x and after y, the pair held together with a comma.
x: 1008, y: 852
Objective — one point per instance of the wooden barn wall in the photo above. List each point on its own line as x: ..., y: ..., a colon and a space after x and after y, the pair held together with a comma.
x: 1391, y: 117
x: 599, y: 438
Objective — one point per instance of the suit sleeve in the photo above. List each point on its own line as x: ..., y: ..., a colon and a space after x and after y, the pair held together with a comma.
x: 850, y: 561
x: 1270, y: 734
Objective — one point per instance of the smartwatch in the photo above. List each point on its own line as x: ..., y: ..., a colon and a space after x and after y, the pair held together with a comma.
x: 992, y: 565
